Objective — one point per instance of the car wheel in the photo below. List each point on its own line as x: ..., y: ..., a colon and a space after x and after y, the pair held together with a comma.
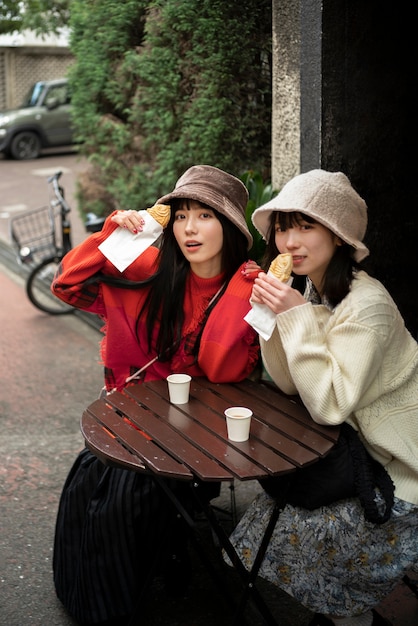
x: 25, y: 145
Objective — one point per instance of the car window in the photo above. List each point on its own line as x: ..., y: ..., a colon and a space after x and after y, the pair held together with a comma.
x: 58, y: 92
x: 32, y: 96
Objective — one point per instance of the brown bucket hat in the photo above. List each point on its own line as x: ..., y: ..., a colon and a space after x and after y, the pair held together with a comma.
x: 217, y: 189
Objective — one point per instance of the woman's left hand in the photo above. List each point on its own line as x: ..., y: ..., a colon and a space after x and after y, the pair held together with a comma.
x: 275, y: 294
x: 249, y: 268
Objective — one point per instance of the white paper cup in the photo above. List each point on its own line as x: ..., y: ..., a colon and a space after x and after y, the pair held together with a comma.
x: 238, y: 422
x: 179, y: 388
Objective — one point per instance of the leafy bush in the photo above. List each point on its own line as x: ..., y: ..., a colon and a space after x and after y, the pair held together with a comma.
x: 162, y: 85
x: 259, y: 193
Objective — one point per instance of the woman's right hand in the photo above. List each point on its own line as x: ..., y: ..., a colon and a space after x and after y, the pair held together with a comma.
x: 130, y: 220
x: 275, y: 294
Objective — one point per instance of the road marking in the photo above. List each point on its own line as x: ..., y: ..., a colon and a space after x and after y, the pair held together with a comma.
x: 49, y: 171
x: 12, y: 208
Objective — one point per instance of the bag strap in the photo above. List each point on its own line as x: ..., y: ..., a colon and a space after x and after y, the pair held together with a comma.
x: 369, y: 474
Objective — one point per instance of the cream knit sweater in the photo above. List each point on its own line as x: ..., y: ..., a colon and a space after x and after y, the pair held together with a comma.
x: 358, y: 364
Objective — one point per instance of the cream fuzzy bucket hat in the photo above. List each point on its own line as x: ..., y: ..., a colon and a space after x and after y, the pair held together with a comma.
x: 219, y: 190
x: 328, y: 198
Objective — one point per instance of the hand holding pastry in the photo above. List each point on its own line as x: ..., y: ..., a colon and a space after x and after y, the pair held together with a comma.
x: 134, y: 220
x: 138, y: 230
x: 279, y: 297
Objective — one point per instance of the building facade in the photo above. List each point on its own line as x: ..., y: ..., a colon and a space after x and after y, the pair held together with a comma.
x: 25, y: 59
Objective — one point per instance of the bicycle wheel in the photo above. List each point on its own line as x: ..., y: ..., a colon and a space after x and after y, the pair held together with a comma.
x: 38, y: 289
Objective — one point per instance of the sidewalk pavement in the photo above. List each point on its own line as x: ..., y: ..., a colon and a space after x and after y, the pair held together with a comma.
x: 49, y: 374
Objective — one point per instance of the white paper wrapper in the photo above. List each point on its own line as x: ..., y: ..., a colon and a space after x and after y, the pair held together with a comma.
x: 262, y: 319
x: 122, y: 247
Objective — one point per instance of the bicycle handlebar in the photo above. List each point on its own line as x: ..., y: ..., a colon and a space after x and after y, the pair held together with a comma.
x: 59, y: 191
x: 55, y: 176
x: 93, y: 223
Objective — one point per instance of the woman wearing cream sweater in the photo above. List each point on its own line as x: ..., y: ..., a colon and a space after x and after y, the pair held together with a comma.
x: 344, y: 348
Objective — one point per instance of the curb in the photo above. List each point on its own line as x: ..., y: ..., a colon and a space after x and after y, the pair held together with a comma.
x: 8, y: 258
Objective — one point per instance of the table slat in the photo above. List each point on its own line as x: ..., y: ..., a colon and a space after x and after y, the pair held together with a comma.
x: 131, y: 438
x: 108, y: 448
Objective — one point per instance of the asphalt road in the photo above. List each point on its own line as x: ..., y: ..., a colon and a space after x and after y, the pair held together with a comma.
x: 49, y: 372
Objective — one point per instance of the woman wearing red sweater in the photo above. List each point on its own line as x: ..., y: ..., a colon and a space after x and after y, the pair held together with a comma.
x: 178, y: 307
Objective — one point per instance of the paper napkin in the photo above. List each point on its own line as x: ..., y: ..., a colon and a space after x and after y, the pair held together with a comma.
x: 122, y: 247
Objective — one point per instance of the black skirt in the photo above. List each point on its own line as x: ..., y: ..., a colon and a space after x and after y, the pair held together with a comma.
x: 113, y: 526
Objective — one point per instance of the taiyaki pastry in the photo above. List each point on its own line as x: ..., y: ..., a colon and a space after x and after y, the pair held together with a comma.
x: 281, y: 267
x: 161, y: 213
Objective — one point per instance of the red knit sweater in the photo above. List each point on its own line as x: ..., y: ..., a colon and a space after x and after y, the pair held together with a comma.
x: 229, y: 346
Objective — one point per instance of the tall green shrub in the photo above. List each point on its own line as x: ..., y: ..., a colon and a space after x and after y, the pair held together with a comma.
x: 165, y: 84
x: 259, y: 192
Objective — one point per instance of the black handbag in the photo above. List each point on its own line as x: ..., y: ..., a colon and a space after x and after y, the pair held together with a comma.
x: 347, y: 471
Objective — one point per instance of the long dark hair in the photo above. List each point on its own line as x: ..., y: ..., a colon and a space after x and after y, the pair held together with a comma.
x: 339, y: 273
x: 164, y: 302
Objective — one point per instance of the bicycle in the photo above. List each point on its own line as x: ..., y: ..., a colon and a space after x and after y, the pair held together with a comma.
x: 42, y: 237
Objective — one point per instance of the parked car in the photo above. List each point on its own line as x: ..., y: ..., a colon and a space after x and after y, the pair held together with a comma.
x: 42, y: 121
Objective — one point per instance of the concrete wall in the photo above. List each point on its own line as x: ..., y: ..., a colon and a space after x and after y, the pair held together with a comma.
x: 286, y: 94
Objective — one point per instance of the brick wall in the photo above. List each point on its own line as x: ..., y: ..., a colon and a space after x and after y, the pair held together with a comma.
x: 2, y: 80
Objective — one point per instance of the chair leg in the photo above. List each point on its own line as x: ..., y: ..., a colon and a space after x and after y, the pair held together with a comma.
x: 233, y: 504
x: 226, y: 515
x: 230, y: 514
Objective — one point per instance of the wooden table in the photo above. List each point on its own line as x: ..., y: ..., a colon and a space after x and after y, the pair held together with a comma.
x: 140, y: 430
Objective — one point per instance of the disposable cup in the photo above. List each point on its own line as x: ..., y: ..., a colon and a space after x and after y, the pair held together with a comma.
x: 179, y: 388
x: 238, y: 422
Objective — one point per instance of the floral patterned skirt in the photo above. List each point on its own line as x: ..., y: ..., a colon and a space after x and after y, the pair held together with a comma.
x: 331, y: 560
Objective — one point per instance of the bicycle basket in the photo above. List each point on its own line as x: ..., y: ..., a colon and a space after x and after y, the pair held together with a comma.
x: 33, y: 234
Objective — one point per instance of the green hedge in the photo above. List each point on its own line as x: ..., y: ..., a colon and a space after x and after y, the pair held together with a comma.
x: 159, y: 86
